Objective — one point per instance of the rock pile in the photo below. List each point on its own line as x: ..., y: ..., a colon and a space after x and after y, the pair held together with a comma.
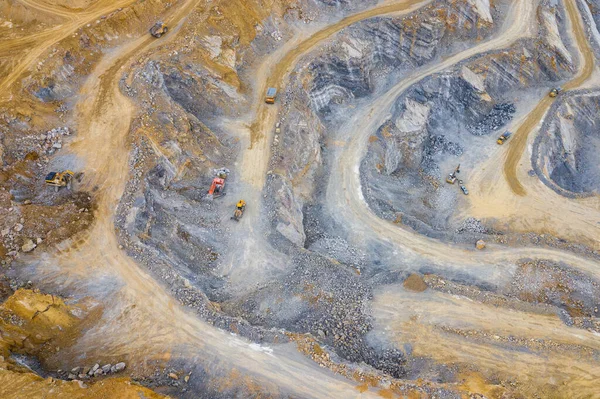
x: 499, y: 116
x: 52, y: 139
x: 85, y: 373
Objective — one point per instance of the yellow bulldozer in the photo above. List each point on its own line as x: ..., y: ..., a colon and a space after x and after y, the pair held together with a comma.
x: 60, y: 179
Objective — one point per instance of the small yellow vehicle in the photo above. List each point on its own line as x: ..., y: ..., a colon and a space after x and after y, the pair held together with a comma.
x: 159, y: 29
x: 503, y: 137
x: 60, y: 179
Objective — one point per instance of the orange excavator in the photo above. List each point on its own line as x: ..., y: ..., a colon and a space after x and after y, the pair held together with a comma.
x: 218, y: 184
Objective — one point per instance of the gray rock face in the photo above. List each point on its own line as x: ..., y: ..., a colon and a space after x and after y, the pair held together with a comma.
x: 299, y: 153
x: 369, y: 48
x: 567, y: 153
x: 434, y: 125
x: 119, y: 366
x: 347, y: 69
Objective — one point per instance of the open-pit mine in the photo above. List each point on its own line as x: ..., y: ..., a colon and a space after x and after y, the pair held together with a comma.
x: 300, y: 199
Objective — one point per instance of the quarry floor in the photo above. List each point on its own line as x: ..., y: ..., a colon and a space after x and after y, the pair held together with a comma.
x: 144, y: 319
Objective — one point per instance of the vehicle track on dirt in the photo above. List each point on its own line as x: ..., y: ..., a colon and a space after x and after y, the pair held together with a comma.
x: 454, y: 329
x: 142, y: 319
x: 494, y: 196
x: 516, y: 147
x: 256, y: 158
x: 73, y: 15
x: 345, y: 199
x: 42, y: 41
x: 251, y: 260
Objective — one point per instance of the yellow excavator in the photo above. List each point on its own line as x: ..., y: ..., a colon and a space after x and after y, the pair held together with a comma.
x: 451, y: 179
x: 555, y: 92
x: 60, y: 179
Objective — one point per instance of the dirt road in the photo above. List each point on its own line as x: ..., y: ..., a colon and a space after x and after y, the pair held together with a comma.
x: 516, y: 147
x: 457, y: 330
x: 344, y: 194
x: 141, y: 318
x: 502, y: 196
x: 32, y: 47
x: 273, y: 73
x: 250, y: 261
x: 141, y: 304
x: 427, y: 321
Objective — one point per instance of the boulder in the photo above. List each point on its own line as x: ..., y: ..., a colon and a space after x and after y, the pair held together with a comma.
x: 28, y: 246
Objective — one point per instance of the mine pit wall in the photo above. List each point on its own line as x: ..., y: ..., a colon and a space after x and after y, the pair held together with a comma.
x: 198, y: 73
x: 566, y: 153
x: 362, y: 59
x: 590, y: 12
x: 164, y: 213
x: 164, y: 221
x: 201, y: 74
x: 212, y: 73
x: 161, y: 221
x: 436, y: 121
x: 67, y: 64
x: 182, y: 100
x: 373, y: 52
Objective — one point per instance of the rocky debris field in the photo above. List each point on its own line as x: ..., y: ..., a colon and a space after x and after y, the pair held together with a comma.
x: 442, y: 122
x: 355, y: 269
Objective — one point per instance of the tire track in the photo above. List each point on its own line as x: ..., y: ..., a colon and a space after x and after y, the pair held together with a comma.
x: 516, y: 147
x: 345, y: 200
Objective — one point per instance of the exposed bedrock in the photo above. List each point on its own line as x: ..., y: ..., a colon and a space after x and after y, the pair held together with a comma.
x: 567, y: 152
x: 361, y: 59
x: 365, y: 52
x: 166, y: 210
x: 443, y: 121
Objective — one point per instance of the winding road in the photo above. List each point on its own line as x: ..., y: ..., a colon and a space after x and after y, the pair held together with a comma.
x: 346, y: 202
x: 32, y: 47
x: 140, y: 317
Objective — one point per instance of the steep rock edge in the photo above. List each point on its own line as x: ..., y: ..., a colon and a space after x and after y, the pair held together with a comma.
x: 566, y: 152
x: 376, y: 50
x: 437, y: 122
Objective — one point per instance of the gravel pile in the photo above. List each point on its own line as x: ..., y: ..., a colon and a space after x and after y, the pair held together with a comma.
x: 85, y: 373
x: 500, y: 115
